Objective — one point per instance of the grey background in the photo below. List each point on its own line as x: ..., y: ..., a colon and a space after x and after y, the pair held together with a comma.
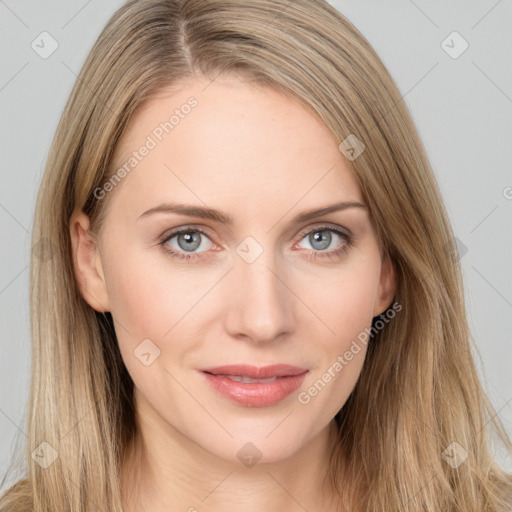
x: 462, y: 108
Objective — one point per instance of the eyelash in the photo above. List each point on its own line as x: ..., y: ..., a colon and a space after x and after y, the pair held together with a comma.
x: 333, y: 254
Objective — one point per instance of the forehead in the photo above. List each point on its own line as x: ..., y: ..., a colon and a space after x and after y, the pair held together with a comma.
x: 227, y: 141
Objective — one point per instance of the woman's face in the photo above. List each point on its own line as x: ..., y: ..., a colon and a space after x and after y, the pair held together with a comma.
x: 259, y: 283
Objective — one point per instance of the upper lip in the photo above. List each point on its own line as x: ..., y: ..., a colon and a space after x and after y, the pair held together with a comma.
x: 254, y: 372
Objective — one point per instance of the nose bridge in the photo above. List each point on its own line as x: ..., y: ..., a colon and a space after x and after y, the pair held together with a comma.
x: 262, y: 307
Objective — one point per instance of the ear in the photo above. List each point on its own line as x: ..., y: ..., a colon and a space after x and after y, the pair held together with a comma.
x: 87, y: 263
x: 387, y: 286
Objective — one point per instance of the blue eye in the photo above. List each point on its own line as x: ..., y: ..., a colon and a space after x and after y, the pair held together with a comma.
x: 321, y: 237
x: 186, y: 241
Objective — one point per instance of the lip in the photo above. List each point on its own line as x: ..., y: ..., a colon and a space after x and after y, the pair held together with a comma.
x: 258, y: 394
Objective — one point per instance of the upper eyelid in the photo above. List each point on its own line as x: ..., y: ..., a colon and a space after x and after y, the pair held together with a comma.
x: 325, y: 226
x: 301, y: 233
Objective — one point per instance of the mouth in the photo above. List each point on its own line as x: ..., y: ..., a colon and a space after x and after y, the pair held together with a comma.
x: 254, y: 372
x: 251, y: 386
x: 243, y: 378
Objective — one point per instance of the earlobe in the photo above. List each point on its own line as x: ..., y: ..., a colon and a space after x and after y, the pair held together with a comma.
x: 387, y: 286
x: 87, y: 264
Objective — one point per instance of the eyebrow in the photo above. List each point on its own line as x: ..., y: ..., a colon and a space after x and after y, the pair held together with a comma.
x: 224, y: 218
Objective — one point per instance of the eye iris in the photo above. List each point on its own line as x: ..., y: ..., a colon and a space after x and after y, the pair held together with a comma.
x: 194, y: 237
x: 322, y: 237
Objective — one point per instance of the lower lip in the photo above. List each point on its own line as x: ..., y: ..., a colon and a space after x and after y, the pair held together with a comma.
x: 255, y: 394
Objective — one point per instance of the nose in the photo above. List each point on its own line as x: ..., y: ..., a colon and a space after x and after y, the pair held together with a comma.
x: 260, y: 307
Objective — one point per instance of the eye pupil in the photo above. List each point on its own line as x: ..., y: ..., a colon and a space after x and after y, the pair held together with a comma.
x: 194, y: 237
x: 321, y: 237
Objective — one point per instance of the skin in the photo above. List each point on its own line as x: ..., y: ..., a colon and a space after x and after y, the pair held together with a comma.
x: 263, y: 158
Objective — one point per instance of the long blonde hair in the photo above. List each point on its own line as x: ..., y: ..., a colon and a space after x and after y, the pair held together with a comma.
x: 418, y: 391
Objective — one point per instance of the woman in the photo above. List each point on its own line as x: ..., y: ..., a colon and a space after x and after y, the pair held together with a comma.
x: 195, y: 351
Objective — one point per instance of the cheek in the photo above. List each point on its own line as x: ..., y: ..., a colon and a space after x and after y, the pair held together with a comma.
x: 138, y: 300
x: 148, y: 304
x: 147, y: 296
x: 156, y: 301
x: 343, y: 300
